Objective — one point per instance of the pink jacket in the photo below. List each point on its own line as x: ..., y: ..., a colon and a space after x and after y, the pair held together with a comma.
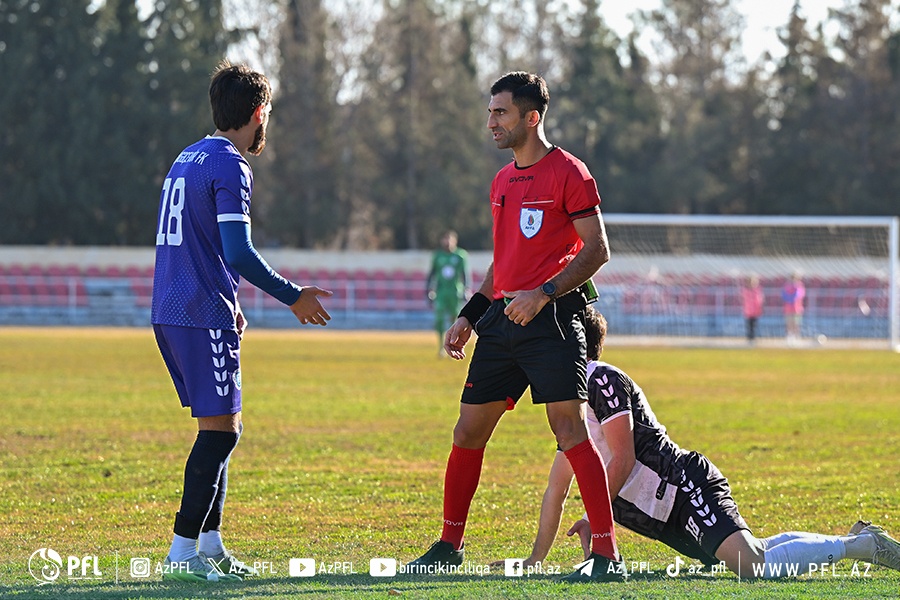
x: 753, y: 301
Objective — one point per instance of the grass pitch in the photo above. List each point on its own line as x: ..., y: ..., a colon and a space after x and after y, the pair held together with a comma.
x: 342, y: 460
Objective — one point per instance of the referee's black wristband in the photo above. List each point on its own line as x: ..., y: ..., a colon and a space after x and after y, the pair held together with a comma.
x: 475, y: 307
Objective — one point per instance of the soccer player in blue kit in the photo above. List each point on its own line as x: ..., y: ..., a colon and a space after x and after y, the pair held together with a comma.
x: 203, y: 248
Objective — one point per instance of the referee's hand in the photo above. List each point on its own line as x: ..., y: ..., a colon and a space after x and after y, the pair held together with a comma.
x: 523, y: 305
x: 456, y: 338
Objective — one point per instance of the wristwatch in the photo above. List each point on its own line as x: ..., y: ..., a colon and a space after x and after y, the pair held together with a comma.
x: 549, y: 289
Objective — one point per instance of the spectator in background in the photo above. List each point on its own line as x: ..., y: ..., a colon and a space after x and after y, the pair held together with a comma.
x: 753, y: 299
x: 448, y: 280
x: 793, y: 294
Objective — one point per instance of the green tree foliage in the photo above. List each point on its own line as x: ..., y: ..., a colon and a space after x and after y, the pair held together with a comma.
x: 48, y: 52
x: 701, y: 108
x: 801, y: 145
x: 607, y: 113
x: 834, y: 141
x: 304, y: 209
x: 100, y: 104
x: 865, y: 97
x: 420, y: 92
x: 378, y: 140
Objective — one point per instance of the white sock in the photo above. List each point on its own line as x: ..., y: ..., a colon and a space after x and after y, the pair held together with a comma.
x: 183, y: 549
x: 211, y: 543
x: 795, y: 556
x: 780, y: 538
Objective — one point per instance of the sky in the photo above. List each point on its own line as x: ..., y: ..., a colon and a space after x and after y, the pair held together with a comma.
x: 763, y: 18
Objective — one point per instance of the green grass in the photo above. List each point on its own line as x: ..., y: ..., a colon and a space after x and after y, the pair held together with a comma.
x: 345, y: 442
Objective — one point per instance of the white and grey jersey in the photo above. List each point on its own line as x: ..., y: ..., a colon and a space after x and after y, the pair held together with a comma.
x: 646, y: 500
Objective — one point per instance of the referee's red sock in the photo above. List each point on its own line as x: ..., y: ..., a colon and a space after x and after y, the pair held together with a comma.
x: 460, y: 483
x: 591, y: 476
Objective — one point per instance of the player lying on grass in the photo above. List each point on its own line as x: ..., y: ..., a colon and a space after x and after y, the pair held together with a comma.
x: 679, y: 497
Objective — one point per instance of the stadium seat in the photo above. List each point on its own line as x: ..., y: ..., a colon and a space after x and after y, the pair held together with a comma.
x: 142, y: 288
x: 380, y: 290
x: 112, y: 271
x: 6, y: 292
x: 302, y: 276
x: 321, y: 277
x: 54, y: 270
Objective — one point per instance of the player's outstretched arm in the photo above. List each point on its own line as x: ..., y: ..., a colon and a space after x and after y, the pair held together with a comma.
x: 558, y: 484
x: 308, y: 309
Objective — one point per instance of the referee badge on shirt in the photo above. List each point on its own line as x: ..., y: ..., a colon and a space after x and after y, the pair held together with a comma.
x: 530, y: 220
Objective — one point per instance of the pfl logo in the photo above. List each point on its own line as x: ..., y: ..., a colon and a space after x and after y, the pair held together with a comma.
x: 45, y: 565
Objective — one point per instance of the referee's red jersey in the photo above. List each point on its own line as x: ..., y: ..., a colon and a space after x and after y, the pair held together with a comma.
x: 533, y: 210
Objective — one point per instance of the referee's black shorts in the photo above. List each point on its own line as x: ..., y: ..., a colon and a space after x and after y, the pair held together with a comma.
x: 548, y: 354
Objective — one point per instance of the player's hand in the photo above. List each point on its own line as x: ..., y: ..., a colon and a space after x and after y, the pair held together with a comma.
x: 240, y: 321
x: 583, y: 529
x: 456, y: 338
x: 524, y: 305
x: 308, y: 309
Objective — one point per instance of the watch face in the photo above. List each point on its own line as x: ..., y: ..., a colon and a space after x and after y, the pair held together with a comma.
x: 549, y: 289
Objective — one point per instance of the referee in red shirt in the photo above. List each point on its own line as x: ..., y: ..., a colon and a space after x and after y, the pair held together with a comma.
x: 549, y: 239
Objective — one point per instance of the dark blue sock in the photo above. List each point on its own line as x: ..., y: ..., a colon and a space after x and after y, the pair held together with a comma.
x: 214, y: 518
x: 202, y: 476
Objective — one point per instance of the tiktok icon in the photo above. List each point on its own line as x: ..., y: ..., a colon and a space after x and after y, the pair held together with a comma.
x: 674, y: 568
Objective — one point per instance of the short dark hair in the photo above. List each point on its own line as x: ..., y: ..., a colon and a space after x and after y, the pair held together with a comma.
x: 234, y: 93
x: 594, y: 332
x: 529, y: 91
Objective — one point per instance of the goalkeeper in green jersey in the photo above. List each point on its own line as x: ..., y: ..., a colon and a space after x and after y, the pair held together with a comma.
x: 447, y: 283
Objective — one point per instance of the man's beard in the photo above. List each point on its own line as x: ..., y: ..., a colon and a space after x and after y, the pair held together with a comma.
x: 259, y: 141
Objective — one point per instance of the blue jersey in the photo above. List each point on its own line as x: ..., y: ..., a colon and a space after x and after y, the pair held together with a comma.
x: 193, y: 285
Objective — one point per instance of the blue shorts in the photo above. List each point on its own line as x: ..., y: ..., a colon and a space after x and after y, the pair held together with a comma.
x: 205, y: 365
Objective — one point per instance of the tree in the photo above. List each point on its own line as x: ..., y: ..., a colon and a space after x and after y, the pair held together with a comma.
x: 305, y: 211
x: 121, y: 128
x: 865, y: 97
x: 110, y: 99
x: 607, y: 113
x: 424, y: 104
x: 45, y: 61
x: 699, y: 44
x: 835, y: 127
x: 187, y: 39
